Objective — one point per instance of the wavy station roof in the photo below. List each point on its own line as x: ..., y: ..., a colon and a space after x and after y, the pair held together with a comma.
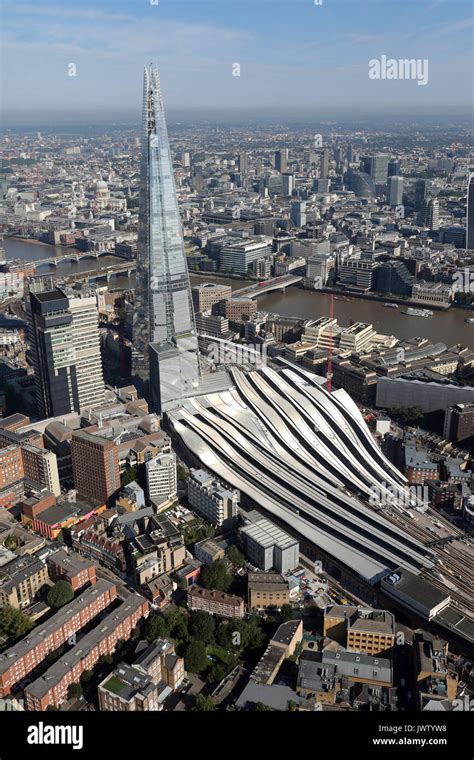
x: 306, y: 457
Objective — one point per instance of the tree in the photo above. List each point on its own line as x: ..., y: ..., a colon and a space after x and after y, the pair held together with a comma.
x: 105, y: 659
x: 128, y: 476
x: 14, y: 623
x: 235, y: 556
x: 260, y: 707
x: 202, y: 626
x: 216, y: 672
x: 204, y: 704
x: 177, y: 622
x: 60, y: 594
x: 195, y: 657
x: 224, y: 635
x: 74, y: 691
x: 86, y: 676
x: 10, y: 542
x: 409, y: 415
x: 181, y: 472
x: 217, y: 576
x: 156, y: 628
x: 286, y: 613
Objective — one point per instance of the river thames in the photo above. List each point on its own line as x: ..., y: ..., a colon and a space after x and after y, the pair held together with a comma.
x: 448, y: 327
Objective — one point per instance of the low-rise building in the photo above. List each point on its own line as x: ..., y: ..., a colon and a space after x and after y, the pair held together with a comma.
x: 215, y: 602
x: 360, y: 629
x: 21, y: 580
x: 52, y: 687
x: 267, y: 590
x: 24, y: 656
x: 72, y: 568
x: 267, y: 546
x: 208, y: 551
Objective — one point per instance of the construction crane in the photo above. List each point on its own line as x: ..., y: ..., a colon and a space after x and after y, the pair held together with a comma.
x: 331, y: 317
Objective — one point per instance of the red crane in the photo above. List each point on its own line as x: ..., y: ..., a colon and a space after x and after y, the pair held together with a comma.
x: 331, y: 317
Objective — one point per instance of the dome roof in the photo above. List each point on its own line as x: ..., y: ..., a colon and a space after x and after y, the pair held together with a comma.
x: 101, y: 185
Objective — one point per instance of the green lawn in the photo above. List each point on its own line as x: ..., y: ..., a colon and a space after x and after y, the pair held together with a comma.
x: 220, y: 653
x: 115, y: 685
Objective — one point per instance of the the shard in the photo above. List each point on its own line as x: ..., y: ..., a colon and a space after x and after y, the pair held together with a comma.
x: 165, y: 355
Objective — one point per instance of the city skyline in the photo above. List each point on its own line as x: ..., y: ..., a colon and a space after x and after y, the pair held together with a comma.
x: 316, y: 56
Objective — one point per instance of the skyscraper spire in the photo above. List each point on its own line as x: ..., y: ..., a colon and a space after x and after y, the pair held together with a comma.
x: 165, y: 354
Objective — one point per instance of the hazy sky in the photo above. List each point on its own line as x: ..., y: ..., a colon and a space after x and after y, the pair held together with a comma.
x: 290, y: 52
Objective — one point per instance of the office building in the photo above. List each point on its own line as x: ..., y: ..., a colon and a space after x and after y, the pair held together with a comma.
x: 324, y: 164
x: 470, y: 211
x: 208, y: 294
x: 163, y: 322
x: 95, y: 465
x: 361, y: 184
x: 212, y: 325
x: 243, y: 163
x: 237, y: 257
x: 239, y: 310
x: 421, y: 189
x: 393, y: 168
x: 288, y: 183
x: 65, y: 347
x: 161, y: 478
x: 281, y: 160
x: 377, y: 168
x: 268, y: 547
x: 215, y: 602
x: 429, y: 216
x: 298, y: 213
x: 458, y: 423
x: 213, y: 501
x: 395, y: 197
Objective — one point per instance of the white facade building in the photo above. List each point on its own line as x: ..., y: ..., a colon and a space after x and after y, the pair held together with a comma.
x: 161, y: 478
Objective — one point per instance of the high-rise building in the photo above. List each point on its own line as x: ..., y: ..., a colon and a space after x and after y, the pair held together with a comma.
x: 470, y: 211
x: 65, y: 346
x: 324, y: 164
x: 394, y: 168
x: 41, y: 466
x: 95, y: 465
x: 165, y: 354
x: 161, y: 477
x: 350, y: 153
x: 281, y: 160
x: 212, y: 500
x: 377, y: 168
x: 243, y: 163
x: 395, y: 191
x: 420, y: 193
x: 298, y: 213
x: 288, y: 183
x: 429, y: 216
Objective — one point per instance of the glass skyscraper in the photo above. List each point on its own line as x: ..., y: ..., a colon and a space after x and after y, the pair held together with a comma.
x: 165, y: 355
